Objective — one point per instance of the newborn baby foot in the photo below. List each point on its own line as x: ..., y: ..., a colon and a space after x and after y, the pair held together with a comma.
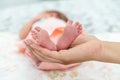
x: 42, y: 38
x: 71, y: 31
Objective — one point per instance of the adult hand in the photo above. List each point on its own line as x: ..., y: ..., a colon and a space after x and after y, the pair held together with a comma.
x: 84, y: 48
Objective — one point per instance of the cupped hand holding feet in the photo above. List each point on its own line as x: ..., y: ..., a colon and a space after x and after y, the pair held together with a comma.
x: 83, y: 48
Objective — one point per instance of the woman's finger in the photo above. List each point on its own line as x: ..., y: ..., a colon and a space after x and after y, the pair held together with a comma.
x: 45, y: 54
x: 44, y: 58
x: 31, y: 50
x: 48, y: 53
x: 41, y: 55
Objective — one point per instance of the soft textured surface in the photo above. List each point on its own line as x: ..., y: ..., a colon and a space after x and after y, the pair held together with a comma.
x: 15, y: 66
x: 97, y: 16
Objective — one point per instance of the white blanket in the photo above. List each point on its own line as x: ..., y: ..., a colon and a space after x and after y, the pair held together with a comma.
x: 16, y: 66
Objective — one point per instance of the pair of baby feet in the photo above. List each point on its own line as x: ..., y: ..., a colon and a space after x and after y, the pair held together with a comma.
x: 71, y: 31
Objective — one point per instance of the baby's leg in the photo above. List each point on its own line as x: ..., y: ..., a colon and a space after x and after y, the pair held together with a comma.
x: 70, y: 33
x: 42, y: 38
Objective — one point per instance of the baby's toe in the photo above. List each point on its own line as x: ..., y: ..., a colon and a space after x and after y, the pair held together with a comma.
x: 37, y: 28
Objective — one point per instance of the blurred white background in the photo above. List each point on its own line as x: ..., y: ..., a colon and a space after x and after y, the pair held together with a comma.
x: 97, y: 16
x: 9, y: 3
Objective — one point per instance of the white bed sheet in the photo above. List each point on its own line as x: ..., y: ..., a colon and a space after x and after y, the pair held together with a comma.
x: 16, y: 66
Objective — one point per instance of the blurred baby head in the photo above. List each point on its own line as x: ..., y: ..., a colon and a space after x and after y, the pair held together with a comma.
x: 55, y: 14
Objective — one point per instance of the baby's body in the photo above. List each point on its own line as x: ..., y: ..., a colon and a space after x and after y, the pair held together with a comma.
x: 54, y: 38
x: 58, y: 40
x: 46, y: 30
